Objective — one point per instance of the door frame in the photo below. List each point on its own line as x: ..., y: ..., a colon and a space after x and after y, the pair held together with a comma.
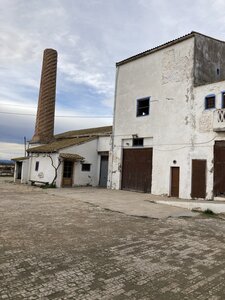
x: 100, y: 170
x: 150, y: 149
x: 171, y: 170
x: 196, y: 159
x: 73, y: 172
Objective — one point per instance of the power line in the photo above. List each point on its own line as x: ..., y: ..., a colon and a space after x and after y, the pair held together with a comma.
x: 75, y: 116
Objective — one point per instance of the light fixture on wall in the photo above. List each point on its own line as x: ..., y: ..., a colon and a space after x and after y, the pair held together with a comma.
x: 174, y: 162
x: 135, y: 136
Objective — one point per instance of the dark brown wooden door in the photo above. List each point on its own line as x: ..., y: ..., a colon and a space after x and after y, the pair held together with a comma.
x: 198, y: 182
x: 175, y: 181
x: 137, y: 170
x: 67, y: 173
x: 219, y: 168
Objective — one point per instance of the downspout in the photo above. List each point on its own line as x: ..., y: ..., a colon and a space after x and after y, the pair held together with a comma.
x: 113, y: 129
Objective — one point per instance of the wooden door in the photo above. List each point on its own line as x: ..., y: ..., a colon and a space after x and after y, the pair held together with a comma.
x: 198, y: 181
x: 67, y: 173
x: 137, y: 170
x: 219, y: 168
x: 175, y: 181
x: 103, y: 171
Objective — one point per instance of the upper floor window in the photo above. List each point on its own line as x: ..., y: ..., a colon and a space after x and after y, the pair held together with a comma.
x: 142, y: 107
x: 210, y: 101
x: 223, y: 100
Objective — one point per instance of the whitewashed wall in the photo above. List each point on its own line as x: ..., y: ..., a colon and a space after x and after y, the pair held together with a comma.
x: 25, y: 171
x: 178, y: 127
x: 90, y: 152
x: 166, y: 77
x: 203, y: 135
x: 45, y: 171
x: 87, y: 150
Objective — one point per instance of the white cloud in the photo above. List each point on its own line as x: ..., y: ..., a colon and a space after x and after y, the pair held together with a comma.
x: 11, y: 150
x: 90, y: 36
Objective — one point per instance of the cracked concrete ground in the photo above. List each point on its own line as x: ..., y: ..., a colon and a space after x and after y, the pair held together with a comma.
x: 129, y: 203
x: 55, y: 247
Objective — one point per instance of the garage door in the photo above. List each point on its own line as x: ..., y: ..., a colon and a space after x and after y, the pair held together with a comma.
x: 137, y: 170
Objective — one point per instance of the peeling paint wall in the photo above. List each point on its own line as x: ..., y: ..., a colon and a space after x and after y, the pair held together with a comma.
x: 166, y: 77
x: 209, y: 60
x: 204, y: 136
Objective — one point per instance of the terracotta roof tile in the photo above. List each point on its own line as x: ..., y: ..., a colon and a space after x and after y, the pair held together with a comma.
x: 20, y: 158
x: 69, y: 156
x: 89, y: 131
x: 59, y: 144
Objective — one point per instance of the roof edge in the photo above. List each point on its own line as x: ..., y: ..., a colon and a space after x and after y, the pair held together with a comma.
x: 163, y: 46
x: 35, y: 149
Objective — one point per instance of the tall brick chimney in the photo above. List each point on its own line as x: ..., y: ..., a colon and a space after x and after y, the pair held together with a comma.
x: 44, y: 128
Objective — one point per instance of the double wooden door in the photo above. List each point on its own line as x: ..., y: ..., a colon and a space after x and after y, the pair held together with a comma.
x: 137, y: 170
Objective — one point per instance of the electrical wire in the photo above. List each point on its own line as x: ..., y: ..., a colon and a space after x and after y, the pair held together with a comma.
x: 75, y: 116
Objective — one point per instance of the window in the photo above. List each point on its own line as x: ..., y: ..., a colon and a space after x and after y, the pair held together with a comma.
x: 142, y: 107
x: 37, y: 166
x: 210, y: 102
x: 138, y: 142
x: 86, y: 167
x: 223, y: 100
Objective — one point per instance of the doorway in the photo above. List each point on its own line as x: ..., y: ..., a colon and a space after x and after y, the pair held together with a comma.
x: 67, y: 173
x: 175, y: 181
x: 219, y: 168
x: 19, y: 169
x: 198, y: 181
x: 103, y: 171
x: 137, y: 170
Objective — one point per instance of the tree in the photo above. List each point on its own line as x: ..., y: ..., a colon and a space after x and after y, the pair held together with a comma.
x: 55, y: 168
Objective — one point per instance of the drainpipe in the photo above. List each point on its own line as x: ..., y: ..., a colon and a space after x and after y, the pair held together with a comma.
x: 113, y: 129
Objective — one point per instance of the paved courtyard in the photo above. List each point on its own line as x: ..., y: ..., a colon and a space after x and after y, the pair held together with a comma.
x: 56, y: 247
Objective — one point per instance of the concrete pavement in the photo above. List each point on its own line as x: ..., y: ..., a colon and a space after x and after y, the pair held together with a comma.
x: 129, y: 203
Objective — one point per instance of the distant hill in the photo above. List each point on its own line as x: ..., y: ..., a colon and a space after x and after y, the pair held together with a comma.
x: 6, y: 162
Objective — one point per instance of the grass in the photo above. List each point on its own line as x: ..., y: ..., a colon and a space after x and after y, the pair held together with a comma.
x: 208, y: 212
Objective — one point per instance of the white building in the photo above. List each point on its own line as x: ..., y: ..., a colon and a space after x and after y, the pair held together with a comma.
x: 80, y: 157
x: 169, y: 120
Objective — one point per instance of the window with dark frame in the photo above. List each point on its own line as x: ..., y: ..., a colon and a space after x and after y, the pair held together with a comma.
x: 86, y: 167
x: 223, y: 100
x: 138, y: 142
x: 36, y: 165
x: 142, y: 107
x: 210, y: 102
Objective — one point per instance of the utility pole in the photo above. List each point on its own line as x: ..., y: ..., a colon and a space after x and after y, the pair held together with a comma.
x: 25, y: 146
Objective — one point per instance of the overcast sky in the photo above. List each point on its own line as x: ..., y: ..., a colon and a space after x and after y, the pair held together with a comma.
x: 90, y: 36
